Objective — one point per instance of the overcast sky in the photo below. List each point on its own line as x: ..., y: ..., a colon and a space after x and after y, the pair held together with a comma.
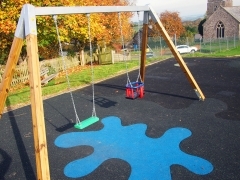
x: 186, y: 8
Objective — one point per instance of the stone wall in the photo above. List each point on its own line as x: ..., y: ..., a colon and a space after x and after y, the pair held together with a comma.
x: 213, y: 5
x: 231, y: 25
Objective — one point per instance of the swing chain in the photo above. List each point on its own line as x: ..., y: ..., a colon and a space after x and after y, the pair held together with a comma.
x: 92, y: 71
x: 139, y: 54
x: 65, y: 68
x: 123, y: 46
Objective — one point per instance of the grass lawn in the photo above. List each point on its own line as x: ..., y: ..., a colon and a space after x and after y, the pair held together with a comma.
x: 223, y: 53
x: 78, y: 77
x: 81, y: 76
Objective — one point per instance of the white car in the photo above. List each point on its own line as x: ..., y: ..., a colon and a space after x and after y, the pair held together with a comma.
x: 186, y: 49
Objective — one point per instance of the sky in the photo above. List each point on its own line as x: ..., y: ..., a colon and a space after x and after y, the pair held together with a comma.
x: 186, y: 8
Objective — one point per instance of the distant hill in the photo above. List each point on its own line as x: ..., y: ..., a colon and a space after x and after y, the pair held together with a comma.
x: 193, y: 23
x: 192, y: 18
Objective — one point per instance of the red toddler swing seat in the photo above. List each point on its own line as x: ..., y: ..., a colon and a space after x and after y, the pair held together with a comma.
x: 134, y: 90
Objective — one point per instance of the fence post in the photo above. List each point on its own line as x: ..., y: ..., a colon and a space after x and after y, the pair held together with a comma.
x: 112, y: 54
x: 227, y: 43
x: 160, y: 45
x: 210, y: 45
x: 200, y: 44
x: 175, y: 39
x: 82, y: 58
x: 219, y: 44
x: 234, y: 41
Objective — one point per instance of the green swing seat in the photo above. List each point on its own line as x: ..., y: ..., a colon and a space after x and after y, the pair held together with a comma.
x: 87, y: 122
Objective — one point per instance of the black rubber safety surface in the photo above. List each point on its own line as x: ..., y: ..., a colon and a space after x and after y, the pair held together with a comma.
x: 169, y: 102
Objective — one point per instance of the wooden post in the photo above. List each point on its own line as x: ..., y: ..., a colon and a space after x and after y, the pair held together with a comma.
x: 112, y: 56
x: 28, y: 15
x: 39, y: 132
x: 9, y: 71
x: 177, y: 56
x: 144, y: 46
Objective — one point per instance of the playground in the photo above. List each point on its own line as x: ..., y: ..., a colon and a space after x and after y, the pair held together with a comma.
x: 160, y: 126
x: 167, y: 134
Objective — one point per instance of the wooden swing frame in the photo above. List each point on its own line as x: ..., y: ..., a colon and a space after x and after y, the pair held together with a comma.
x: 27, y: 29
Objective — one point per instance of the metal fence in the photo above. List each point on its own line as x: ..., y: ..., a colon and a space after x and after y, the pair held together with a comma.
x: 159, y: 46
x: 156, y: 45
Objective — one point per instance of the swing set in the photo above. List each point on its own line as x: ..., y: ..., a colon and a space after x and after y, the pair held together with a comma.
x: 27, y: 29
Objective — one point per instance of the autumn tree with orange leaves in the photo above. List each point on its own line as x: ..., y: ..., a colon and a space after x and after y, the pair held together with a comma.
x: 72, y: 28
x: 172, y: 23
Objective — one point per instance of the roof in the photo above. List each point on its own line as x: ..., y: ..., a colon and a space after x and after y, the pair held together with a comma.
x: 234, y: 11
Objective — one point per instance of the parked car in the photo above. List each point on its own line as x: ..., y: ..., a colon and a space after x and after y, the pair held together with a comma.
x: 186, y: 49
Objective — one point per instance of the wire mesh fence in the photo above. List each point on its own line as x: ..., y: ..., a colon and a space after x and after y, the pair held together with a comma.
x: 157, y: 48
x: 160, y: 47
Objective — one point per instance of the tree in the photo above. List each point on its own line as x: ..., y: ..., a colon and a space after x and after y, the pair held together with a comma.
x: 171, y: 22
x: 104, y: 27
x: 189, y: 33
x: 8, y: 15
x: 200, y: 27
x: 191, y: 29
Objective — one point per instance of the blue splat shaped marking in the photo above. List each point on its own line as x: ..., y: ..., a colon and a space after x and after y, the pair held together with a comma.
x: 149, y: 158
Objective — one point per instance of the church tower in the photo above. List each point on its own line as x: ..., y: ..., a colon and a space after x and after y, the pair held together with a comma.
x: 212, y: 5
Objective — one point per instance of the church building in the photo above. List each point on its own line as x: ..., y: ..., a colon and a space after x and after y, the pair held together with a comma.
x: 223, y: 20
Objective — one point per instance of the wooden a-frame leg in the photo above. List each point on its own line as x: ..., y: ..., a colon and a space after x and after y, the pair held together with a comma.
x: 143, y: 52
x: 177, y: 56
x: 39, y: 131
x: 9, y: 71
